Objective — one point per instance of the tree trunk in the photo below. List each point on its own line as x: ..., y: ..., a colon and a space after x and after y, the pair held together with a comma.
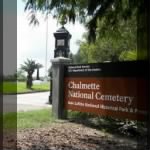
x: 29, y: 82
x: 142, y: 36
x: 37, y: 76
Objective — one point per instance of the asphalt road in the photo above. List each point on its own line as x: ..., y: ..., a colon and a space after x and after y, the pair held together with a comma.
x: 25, y: 102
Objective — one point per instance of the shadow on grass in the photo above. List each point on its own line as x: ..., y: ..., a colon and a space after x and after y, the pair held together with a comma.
x: 131, y: 130
x: 126, y: 128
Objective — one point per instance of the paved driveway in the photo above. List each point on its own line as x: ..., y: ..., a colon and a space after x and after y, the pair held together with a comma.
x: 25, y: 102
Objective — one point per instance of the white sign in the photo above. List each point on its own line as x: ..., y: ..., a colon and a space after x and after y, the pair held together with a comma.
x: 60, y: 42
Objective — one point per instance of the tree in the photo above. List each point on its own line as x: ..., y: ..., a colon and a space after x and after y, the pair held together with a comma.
x: 38, y: 66
x: 108, y: 46
x: 109, y: 13
x: 128, y: 55
x: 89, y: 11
x: 29, y: 67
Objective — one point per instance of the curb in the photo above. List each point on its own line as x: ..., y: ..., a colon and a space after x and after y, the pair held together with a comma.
x: 29, y: 92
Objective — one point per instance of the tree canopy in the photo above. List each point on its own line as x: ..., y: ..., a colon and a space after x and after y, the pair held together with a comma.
x: 89, y: 12
x: 112, y: 45
x: 103, y: 19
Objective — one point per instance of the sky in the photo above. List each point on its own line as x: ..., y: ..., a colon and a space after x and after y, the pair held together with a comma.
x: 31, y: 40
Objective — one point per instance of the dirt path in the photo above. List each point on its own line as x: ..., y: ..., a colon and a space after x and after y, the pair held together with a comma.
x: 71, y: 136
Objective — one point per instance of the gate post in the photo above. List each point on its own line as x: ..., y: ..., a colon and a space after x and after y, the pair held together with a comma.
x: 58, y: 86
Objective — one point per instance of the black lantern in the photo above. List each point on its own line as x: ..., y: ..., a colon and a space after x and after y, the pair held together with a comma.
x: 62, y: 42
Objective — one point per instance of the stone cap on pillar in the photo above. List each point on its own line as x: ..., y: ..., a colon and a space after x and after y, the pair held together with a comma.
x: 60, y: 60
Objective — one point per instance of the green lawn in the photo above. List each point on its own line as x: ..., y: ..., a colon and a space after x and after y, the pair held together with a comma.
x: 20, y: 87
x: 44, y: 118
x: 10, y: 121
x: 34, y: 119
x: 29, y: 119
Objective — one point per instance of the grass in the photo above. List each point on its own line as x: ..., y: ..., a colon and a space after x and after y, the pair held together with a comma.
x: 20, y: 87
x: 44, y: 117
x: 9, y: 87
x: 34, y: 119
x: 29, y: 119
x: 111, y: 125
x: 10, y: 120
